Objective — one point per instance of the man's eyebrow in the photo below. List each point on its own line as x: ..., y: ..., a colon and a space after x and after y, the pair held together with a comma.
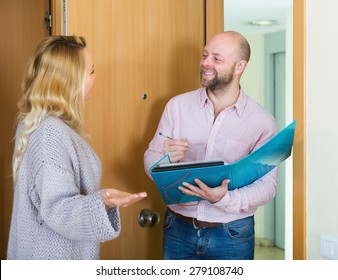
x: 216, y: 54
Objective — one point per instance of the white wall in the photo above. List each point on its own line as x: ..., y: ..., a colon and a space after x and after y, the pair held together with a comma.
x: 252, y: 80
x: 322, y: 122
x: 288, y: 119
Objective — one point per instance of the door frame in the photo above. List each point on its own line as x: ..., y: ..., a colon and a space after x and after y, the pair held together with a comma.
x: 299, y: 112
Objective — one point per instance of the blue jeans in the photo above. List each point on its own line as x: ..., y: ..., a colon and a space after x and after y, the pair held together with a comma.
x: 230, y: 241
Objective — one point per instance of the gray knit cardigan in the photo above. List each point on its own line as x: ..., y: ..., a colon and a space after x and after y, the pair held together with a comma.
x: 58, y: 212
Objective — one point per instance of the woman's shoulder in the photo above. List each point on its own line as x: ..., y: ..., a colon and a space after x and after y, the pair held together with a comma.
x: 54, y: 123
x: 52, y: 131
x: 53, y: 126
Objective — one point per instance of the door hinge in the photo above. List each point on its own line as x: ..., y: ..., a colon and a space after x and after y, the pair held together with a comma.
x: 48, y: 21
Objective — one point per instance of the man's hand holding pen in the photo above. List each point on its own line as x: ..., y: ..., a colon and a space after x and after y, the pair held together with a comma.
x: 175, y: 148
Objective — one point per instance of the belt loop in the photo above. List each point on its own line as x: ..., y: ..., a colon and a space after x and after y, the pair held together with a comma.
x: 193, y: 223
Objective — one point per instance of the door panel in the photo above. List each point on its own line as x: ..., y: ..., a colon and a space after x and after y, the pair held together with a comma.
x: 144, y: 52
x: 22, y: 23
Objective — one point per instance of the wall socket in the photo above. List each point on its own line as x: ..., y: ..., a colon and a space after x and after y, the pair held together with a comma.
x: 329, y: 246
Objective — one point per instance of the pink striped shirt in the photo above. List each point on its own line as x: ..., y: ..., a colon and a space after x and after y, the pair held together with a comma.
x: 237, y: 131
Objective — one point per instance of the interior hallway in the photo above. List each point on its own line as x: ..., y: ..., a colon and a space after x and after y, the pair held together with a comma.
x: 268, y: 253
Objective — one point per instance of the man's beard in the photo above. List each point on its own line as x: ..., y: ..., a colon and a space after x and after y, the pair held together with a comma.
x: 219, y: 81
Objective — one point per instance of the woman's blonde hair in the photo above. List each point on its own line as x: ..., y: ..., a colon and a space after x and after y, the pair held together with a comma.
x: 53, y: 86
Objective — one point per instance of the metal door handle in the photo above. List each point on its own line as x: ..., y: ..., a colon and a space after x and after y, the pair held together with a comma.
x: 148, y: 218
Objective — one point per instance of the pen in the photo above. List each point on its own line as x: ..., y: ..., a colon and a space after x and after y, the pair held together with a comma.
x: 166, y: 136
x: 160, y: 133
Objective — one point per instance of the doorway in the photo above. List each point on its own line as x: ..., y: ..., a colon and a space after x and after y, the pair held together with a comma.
x: 275, y: 101
x: 274, y: 221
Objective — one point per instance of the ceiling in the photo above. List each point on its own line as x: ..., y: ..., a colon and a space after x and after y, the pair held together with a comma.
x: 239, y: 13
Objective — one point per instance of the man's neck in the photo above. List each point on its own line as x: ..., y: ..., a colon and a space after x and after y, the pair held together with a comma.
x: 223, y: 98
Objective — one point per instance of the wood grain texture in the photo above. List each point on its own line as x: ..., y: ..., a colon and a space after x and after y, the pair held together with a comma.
x: 140, y: 47
x: 23, y: 22
x: 299, y: 150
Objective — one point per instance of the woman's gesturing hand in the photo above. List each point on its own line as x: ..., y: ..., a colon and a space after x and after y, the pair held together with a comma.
x: 116, y: 198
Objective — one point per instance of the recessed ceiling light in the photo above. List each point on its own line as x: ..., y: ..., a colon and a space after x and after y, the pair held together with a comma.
x: 263, y: 22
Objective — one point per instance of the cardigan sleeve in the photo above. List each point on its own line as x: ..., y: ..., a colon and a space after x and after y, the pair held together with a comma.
x: 71, y: 214
x: 58, y: 193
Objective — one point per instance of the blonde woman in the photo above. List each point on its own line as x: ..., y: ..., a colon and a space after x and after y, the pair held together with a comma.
x: 59, y: 210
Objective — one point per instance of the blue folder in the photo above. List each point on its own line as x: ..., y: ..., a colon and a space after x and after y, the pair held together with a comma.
x: 241, y: 173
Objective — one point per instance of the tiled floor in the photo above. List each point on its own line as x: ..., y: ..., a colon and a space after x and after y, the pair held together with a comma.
x: 268, y: 253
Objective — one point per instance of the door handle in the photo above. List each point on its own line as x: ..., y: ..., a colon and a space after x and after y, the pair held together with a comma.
x: 148, y: 218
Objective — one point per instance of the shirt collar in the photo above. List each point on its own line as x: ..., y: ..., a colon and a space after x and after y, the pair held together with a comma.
x: 239, y: 105
x: 241, y: 101
x: 203, y: 97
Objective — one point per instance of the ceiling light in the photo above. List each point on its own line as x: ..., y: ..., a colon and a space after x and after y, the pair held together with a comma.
x: 263, y: 22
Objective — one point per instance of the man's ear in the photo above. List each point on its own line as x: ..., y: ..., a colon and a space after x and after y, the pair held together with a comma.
x: 240, y: 66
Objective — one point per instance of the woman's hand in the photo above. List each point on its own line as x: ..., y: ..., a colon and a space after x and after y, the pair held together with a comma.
x: 116, y: 198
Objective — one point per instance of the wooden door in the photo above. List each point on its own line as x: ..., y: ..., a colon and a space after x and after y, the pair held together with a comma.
x: 144, y: 53
x: 119, y: 136
x: 22, y: 27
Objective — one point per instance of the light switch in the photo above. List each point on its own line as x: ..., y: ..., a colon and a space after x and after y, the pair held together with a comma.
x: 329, y: 247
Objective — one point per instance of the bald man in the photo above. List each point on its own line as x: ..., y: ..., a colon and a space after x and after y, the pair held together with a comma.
x: 215, y: 121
